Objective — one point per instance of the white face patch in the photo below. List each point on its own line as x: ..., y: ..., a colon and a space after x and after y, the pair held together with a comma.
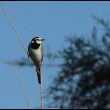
x: 38, y: 41
x: 32, y: 41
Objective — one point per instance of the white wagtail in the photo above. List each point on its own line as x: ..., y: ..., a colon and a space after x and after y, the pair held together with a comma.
x: 35, y: 52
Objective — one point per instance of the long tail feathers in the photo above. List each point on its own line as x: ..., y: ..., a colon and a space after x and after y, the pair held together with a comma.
x: 39, y: 75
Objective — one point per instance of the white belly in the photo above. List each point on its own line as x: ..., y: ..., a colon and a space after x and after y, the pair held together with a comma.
x: 36, y: 55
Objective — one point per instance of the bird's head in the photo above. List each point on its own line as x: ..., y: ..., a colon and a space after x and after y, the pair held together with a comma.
x: 37, y: 40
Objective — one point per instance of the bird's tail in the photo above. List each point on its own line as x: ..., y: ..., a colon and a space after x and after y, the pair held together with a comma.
x: 39, y: 75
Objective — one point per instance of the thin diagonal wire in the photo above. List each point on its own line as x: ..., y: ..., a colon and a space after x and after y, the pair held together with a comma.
x: 22, y: 45
x: 23, y: 88
x: 14, y: 28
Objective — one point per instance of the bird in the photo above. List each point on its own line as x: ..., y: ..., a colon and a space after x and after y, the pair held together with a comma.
x: 35, y: 52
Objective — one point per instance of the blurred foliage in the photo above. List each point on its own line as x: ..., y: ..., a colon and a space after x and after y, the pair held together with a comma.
x: 27, y: 61
x: 84, y: 78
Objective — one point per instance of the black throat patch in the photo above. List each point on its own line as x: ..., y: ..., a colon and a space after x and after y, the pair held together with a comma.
x: 34, y: 45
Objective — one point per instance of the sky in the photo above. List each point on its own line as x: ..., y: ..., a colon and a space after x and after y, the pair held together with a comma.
x: 52, y: 20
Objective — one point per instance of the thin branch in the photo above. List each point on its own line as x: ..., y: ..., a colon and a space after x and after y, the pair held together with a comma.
x: 41, y: 95
x: 23, y: 63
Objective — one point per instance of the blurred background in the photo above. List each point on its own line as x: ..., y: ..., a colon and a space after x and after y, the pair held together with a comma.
x: 77, y: 54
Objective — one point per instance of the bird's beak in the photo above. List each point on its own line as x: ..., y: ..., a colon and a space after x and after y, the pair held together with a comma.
x: 43, y: 39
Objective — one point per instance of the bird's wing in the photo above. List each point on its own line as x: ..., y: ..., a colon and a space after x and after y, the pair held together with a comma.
x: 28, y: 50
x: 42, y: 53
x: 28, y: 55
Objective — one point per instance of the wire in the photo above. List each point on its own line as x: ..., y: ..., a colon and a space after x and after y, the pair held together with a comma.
x: 14, y: 28
x: 23, y: 88
x: 22, y: 45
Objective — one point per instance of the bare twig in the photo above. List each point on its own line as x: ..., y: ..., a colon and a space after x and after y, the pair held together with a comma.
x: 41, y: 96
